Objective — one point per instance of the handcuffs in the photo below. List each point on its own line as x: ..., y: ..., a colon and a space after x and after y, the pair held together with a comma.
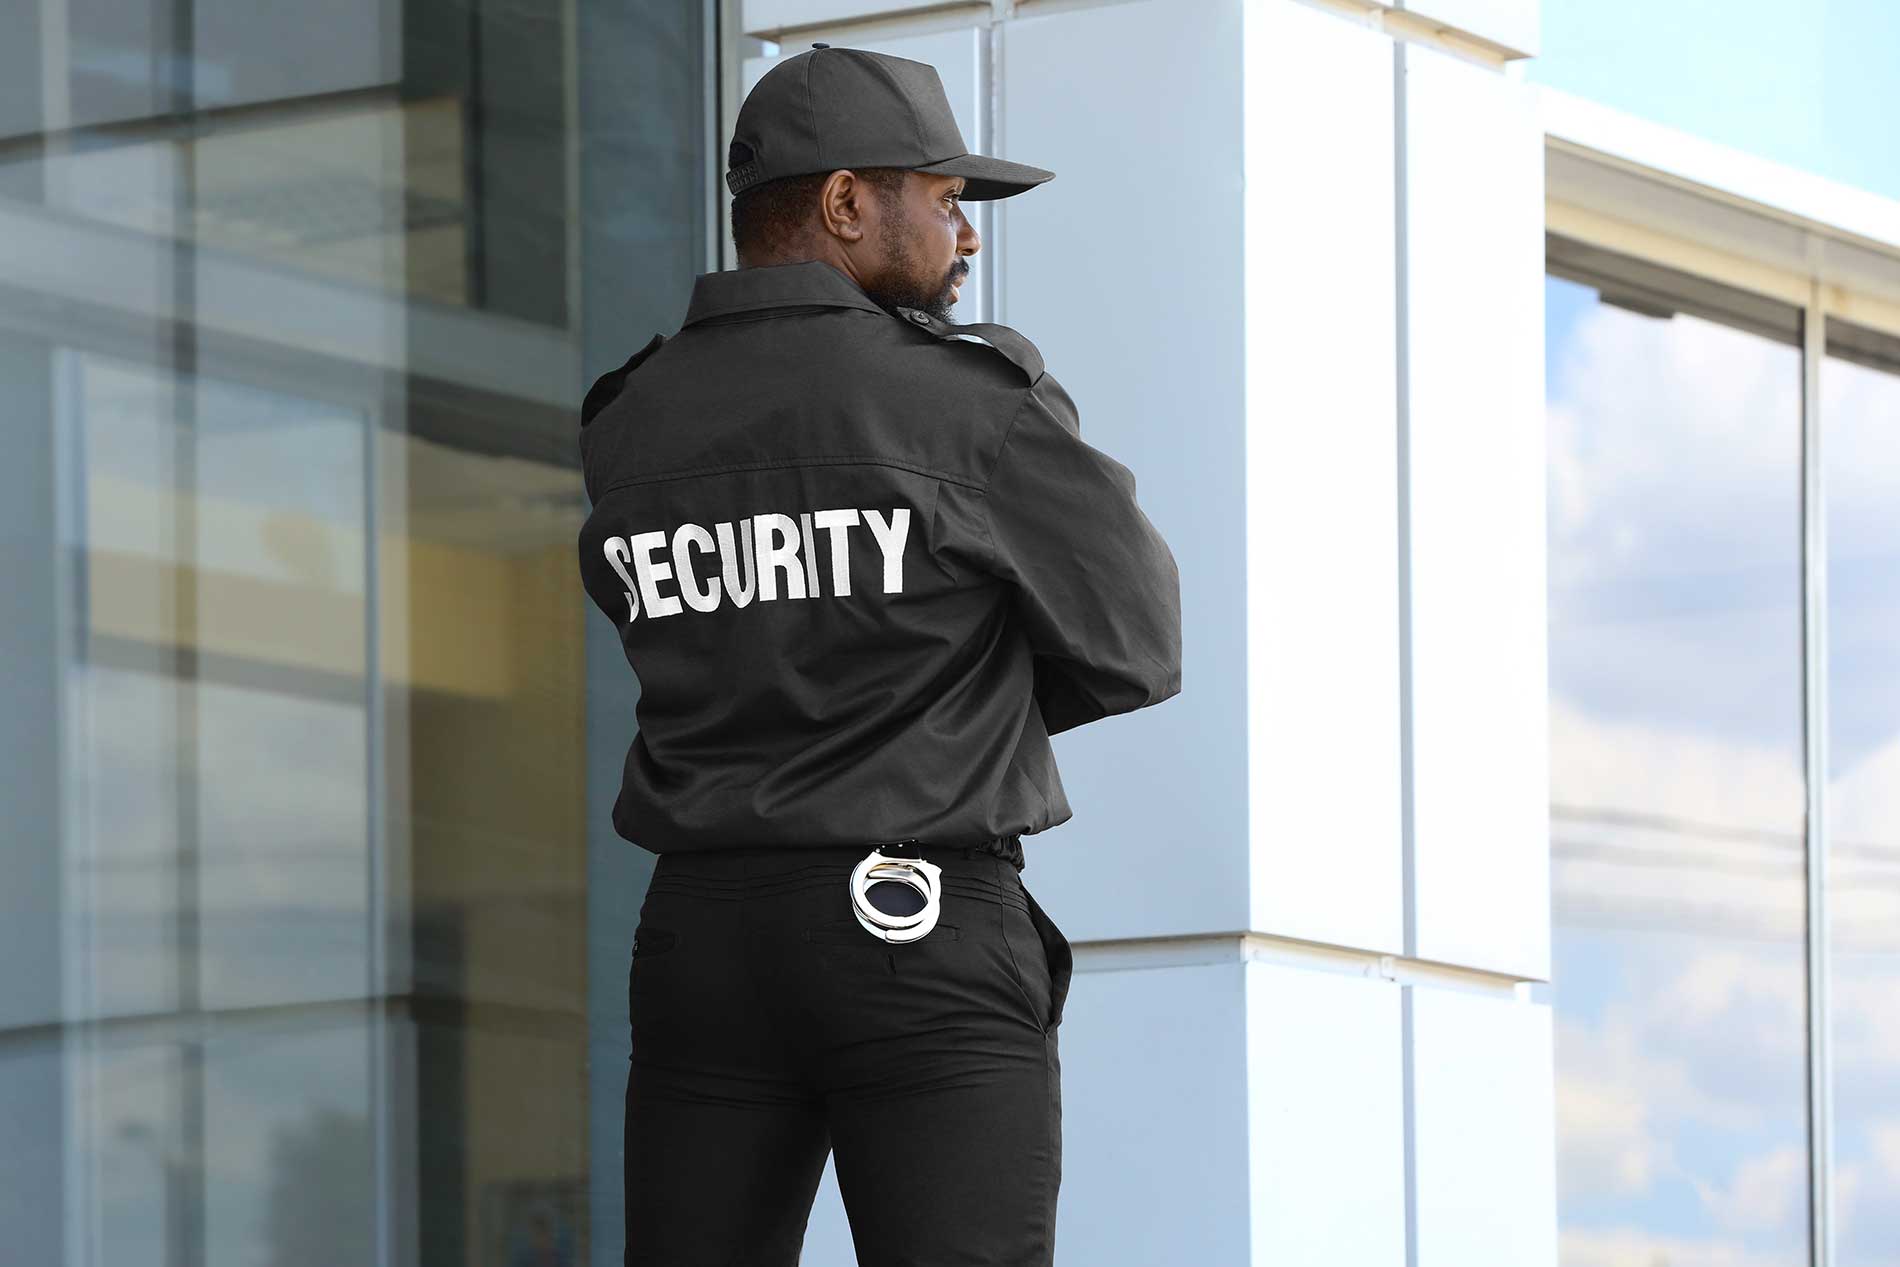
x: 921, y: 875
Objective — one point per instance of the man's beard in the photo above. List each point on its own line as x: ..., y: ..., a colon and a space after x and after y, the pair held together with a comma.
x: 898, y: 289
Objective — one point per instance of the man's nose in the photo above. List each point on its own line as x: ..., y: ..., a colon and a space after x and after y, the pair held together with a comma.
x: 968, y: 241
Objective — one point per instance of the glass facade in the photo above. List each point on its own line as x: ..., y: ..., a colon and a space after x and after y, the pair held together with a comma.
x: 316, y: 941
x: 1680, y: 841
x: 1860, y: 446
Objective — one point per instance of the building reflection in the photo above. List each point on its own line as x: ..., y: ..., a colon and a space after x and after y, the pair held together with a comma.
x: 296, y: 871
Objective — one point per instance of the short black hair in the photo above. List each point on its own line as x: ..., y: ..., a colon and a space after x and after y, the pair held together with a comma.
x: 771, y: 219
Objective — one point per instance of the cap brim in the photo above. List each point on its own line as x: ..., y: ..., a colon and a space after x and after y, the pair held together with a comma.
x: 987, y: 178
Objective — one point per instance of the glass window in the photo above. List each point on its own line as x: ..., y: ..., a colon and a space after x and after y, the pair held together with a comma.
x: 307, y: 963
x: 1677, y: 784
x: 1860, y: 452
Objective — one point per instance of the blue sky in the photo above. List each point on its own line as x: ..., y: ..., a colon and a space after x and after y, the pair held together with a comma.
x: 1810, y: 83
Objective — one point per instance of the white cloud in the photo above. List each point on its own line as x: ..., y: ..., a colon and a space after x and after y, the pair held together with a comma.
x: 1632, y: 1247
x: 1608, y: 1139
x: 1864, y: 803
x: 1666, y: 443
x: 1665, y: 770
x: 1865, y: 998
x: 1672, y: 876
x: 1864, y: 821
x: 1886, y: 1141
x: 1867, y: 1207
x: 1768, y: 1193
x: 1716, y: 986
x: 1711, y: 1048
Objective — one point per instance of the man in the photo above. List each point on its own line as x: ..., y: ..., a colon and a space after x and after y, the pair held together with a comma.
x: 864, y: 567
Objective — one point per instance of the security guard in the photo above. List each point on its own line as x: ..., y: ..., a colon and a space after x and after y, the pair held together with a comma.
x: 864, y: 565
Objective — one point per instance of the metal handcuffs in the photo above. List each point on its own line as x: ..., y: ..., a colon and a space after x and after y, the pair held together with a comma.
x: 923, y: 876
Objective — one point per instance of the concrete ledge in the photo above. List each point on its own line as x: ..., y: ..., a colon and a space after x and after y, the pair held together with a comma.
x: 1132, y: 953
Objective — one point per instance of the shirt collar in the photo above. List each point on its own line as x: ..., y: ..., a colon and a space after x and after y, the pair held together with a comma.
x: 775, y: 286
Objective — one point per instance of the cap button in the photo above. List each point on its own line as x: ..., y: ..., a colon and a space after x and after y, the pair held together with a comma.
x: 816, y: 45
x: 921, y: 318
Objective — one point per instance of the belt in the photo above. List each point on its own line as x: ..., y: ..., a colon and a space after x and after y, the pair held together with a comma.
x: 895, y: 861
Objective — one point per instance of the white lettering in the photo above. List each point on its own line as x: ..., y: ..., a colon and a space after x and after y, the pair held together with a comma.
x: 643, y: 544
x: 777, y: 555
x: 811, y: 553
x: 838, y: 523
x: 615, y: 549
x: 739, y: 591
x: 746, y: 559
x: 890, y: 539
x: 683, y: 536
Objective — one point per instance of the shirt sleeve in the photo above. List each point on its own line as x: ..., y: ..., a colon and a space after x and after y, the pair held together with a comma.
x: 1096, y: 587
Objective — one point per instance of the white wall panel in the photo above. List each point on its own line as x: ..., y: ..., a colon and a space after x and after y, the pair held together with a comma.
x: 1476, y: 531
x: 1126, y: 271
x: 1321, y: 466
x: 1484, y: 1131
x: 1327, y: 1129
x: 1154, y: 1128
x: 957, y: 55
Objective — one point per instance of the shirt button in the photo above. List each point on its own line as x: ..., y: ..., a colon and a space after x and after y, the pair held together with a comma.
x: 921, y: 318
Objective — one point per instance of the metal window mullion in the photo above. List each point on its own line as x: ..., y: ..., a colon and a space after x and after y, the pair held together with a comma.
x: 718, y: 66
x: 382, y: 1107
x: 725, y: 64
x: 1814, y: 726
x: 1408, y: 854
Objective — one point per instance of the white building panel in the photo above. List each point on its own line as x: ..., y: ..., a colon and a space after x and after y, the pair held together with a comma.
x: 1321, y: 467
x: 957, y: 55
x: 1326, y: 1118
x: 1126, y: 270
x: 1154, y: 1137
x: 1484, y: 1133
x: 1474, y: 253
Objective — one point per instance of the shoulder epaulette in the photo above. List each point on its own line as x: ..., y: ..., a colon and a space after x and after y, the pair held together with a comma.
x: 1010, y: 342
x: 608, y: 385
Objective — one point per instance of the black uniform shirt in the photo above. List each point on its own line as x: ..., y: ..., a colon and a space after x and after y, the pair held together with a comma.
x: 863, y: 568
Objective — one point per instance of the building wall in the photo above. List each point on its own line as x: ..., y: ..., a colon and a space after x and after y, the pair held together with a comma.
x: 1291, y: 269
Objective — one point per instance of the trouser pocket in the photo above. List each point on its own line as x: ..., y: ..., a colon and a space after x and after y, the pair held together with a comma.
x: 1061, y: 957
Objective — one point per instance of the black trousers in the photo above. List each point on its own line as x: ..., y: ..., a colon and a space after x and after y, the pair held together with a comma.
x: 769, y: 1029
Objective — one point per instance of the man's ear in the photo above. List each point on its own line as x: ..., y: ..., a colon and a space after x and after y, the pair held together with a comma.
x: 841, y: 204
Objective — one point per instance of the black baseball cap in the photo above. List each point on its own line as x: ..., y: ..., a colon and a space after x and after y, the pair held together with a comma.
x: 828, y: 108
